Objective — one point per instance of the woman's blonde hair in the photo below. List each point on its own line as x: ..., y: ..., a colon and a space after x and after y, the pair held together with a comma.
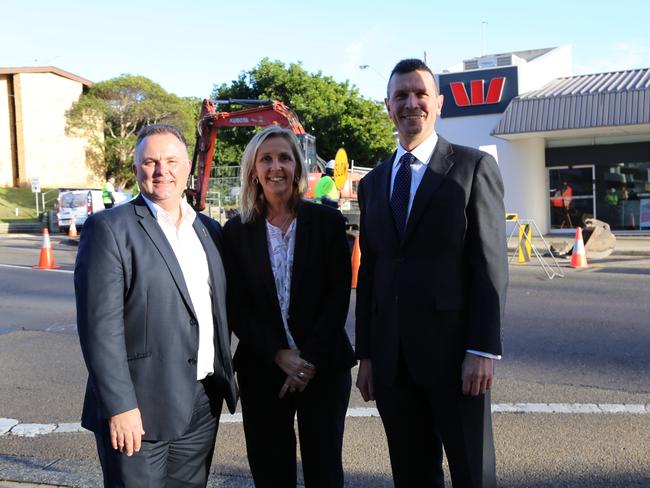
x: 253, y: 203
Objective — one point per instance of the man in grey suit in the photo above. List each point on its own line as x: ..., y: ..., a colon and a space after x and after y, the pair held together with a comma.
x: 151, y: 317
x: 431, y: 292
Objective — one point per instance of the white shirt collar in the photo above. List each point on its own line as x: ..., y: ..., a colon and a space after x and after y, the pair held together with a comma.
x: 422, y: 152
x: 187, y: 212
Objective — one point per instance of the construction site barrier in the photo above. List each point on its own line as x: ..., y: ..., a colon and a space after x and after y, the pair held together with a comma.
x: 526, y: 248
x: 356, y: 260
x: 525, y: 243
x: 578, y: 255
x: 72, y: 231
x: 46, y: 260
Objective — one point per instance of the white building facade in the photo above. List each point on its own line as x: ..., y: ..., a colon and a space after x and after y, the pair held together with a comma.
x: 569, y: 147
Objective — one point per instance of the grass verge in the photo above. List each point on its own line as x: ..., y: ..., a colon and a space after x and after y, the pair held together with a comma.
x: 23, y: 200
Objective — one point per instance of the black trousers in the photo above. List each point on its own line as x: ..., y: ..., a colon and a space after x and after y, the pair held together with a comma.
x: 179, y: 463
x: 270, y: 434
x: 419, y: 420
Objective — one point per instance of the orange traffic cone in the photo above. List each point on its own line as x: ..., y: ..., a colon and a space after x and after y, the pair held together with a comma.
x: 72, y: 231
x: 47, y: 258
x: 356, y: 258
x: 578, y: 256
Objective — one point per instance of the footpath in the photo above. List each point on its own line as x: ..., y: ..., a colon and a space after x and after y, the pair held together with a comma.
x: 626, y: 245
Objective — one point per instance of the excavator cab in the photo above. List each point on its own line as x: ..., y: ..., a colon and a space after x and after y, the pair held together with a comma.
x: 308, y: 143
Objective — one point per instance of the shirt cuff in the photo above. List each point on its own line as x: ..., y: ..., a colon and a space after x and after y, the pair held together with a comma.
x: 484, y: 354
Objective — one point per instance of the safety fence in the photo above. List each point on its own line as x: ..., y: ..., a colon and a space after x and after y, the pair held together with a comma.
x: 525, y: 249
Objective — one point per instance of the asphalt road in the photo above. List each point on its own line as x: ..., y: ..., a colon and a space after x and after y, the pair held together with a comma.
x: 36, y: 300
x: 580, y: 339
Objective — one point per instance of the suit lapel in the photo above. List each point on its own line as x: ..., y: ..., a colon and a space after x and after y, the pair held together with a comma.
x: 261, y: 253
x: 218, y: 283
x: 155, y: 233
x: 215, y: 265
x: 384, y: 212
x: 434, y: 175
x: 301, y: 250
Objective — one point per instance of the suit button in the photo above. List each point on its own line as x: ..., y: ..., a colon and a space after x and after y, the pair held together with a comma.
x: 192, y: 361
x: 193, y: 322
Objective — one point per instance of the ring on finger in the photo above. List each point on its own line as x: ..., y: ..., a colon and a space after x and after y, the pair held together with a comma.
x: 301, y: 374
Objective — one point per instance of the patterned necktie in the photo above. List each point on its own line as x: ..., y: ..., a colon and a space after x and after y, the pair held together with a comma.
x: 399, y: 200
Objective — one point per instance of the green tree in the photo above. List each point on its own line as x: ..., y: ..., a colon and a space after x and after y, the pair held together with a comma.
x: 334, y: 112
x: 113, y: 111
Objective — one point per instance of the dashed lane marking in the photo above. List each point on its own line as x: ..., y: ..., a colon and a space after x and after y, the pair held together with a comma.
x: 14, y: 427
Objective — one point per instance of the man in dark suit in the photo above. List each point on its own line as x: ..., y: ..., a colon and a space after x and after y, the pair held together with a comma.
x: 431, y: 292
x: 150, y: 292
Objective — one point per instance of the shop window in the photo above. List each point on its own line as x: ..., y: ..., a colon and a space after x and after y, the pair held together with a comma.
x: 623, y: 195
x: 571, y: 196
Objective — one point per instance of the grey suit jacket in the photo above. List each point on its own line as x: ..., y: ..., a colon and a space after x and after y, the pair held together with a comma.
x: 441, y: 289
x: 137, y: 327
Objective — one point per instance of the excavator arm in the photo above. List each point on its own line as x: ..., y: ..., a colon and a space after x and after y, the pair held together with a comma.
x: 261, y: 113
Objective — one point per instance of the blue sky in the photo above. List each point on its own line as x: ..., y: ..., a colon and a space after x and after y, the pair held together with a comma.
x: 188, y: 47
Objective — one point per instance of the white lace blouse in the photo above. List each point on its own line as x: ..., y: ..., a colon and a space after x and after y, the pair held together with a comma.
x: 281, y: 254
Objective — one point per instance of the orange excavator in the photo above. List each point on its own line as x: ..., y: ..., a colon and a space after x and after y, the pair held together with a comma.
x: 260, y: 113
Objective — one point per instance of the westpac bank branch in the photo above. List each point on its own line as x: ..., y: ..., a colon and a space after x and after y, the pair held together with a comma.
x: 569, y: 147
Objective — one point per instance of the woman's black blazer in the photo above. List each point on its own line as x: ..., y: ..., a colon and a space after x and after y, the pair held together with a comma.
x: 320, y: 291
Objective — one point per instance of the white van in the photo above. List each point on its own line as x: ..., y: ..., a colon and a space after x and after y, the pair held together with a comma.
x: 81, y: 203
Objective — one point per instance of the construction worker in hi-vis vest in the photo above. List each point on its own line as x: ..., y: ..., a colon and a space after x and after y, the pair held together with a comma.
x: 326, y: 191
x: 107, y: 192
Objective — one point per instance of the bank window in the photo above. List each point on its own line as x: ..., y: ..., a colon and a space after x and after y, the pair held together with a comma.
x: 623, y: 195
x: 571, y: 196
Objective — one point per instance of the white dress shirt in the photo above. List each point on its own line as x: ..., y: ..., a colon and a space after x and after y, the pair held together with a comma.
x: 422, y: 153
x: 191, y: 257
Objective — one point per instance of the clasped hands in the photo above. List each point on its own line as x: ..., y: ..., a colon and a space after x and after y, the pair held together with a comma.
x: 299, y: 372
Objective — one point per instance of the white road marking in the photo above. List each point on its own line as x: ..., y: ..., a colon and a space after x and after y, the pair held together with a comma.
x: 14, y: 427
x: 362, y: 412
x: 227, y: 418
x: 7, y: 424
x: 61, y: 327
x: 30, y: 268
x: 69, y: 427
x: 32, y: 430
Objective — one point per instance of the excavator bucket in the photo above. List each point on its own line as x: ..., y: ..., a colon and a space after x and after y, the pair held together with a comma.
x: 599, y: 239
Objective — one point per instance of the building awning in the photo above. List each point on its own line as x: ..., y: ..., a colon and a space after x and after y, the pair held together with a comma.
x: 620, y: 98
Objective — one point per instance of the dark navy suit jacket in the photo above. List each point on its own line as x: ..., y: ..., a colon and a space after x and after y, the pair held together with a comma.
x: 136, y: 323
x: 441, y: 289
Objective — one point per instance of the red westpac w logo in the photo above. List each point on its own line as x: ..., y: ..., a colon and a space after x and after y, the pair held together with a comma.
x: 477, y: 91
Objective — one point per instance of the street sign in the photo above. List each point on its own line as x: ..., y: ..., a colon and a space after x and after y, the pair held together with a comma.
x: 36, y: 185
x: 340, y: 168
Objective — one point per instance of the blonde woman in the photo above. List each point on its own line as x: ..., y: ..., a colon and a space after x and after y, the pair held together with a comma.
x: 289, y: 289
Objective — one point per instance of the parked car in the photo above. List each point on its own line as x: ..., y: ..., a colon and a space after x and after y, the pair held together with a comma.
x: 80, y: 203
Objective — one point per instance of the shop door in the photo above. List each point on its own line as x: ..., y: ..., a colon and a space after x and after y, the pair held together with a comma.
x: 571, y: 197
